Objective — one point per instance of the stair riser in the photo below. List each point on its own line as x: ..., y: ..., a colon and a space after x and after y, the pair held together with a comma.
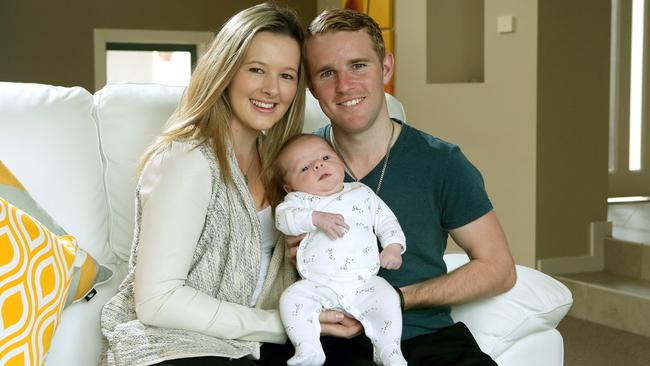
x: 627, y: 259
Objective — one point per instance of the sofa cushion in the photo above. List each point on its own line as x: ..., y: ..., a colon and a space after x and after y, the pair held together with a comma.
x: 128, y: 117
x: 35, y: 269
x: 535, y: 304
x: 78, y: 339
x: 49, y: 142
x: 86, y: 272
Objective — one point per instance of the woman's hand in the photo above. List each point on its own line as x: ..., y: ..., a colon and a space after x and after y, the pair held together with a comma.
x: 292, y: 247
x: 335, y: 323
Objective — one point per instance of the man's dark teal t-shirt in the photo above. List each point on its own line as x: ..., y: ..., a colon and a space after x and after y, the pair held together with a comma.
x: 432, y: 188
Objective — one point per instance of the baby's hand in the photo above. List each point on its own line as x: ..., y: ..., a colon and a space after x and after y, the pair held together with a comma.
x: 333, y: 225
x: 391, y: 256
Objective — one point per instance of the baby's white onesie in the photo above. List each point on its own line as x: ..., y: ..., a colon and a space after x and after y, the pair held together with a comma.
x: 342, y: 273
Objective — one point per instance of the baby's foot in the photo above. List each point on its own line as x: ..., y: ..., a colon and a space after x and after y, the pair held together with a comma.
x: 307, y: 356
x: 390, y: 357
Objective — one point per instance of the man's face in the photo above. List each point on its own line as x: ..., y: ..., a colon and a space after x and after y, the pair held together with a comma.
x: 347, y: 77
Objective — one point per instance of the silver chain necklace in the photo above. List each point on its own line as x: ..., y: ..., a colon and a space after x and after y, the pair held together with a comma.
x: 386, y: 156
x: 250, y: 165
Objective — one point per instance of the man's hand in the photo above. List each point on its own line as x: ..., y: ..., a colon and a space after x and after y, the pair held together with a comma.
x: 391, y: 256
x: 335, y: 323
x: 292, y: 247
x: 333, y: 225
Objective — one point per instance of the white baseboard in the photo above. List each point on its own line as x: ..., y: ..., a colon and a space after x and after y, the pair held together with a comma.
x: 593, y: 262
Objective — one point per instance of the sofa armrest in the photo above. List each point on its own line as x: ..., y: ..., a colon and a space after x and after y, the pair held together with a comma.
x: 535, y: 304
x: 538, y: 349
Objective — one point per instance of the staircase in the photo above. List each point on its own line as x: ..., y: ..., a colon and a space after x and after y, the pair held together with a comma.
x: 619, y: 296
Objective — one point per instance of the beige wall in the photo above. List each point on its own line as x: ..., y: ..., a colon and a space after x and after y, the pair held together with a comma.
x: 51, y: 42
x: 493, y: 122
x: 572, y: 123
x: 328, y: 4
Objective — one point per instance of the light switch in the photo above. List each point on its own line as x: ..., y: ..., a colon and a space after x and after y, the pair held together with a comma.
x: 506, y: 24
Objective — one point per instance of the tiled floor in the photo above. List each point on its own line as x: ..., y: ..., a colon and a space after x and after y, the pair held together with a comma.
x: 631, y: 221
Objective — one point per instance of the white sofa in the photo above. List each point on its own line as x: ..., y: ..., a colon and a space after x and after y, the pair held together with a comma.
x: 76, y: 154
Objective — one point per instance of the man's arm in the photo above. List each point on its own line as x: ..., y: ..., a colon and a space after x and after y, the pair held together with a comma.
x: 489, y: 272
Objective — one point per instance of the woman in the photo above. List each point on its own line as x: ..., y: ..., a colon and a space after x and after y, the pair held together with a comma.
x: 206, y: 259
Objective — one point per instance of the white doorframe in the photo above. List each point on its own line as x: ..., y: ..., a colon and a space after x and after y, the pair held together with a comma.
x: 104, y: 36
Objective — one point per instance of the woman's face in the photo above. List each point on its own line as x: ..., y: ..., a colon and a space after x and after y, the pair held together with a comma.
x: 265, y: 84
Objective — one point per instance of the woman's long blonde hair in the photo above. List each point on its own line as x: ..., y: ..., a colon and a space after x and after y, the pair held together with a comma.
x: 204, y: 112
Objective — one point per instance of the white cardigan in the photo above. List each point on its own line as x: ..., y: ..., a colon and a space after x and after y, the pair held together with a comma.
x: 194, y: 287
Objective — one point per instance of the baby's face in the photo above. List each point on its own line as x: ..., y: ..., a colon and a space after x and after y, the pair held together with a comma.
x: 313, y: 167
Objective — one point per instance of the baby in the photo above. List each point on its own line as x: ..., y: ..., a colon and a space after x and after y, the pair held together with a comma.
x: 339, y: 259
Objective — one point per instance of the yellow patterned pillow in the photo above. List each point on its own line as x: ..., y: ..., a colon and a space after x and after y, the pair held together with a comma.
x: 35, y: 271
x: 87, y: 272
x: 18, y: 261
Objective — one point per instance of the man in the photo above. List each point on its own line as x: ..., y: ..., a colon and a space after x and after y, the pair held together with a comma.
x: 429, y: 184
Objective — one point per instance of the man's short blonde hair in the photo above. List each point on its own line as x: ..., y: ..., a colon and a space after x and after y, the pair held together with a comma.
x: 337, y: 20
